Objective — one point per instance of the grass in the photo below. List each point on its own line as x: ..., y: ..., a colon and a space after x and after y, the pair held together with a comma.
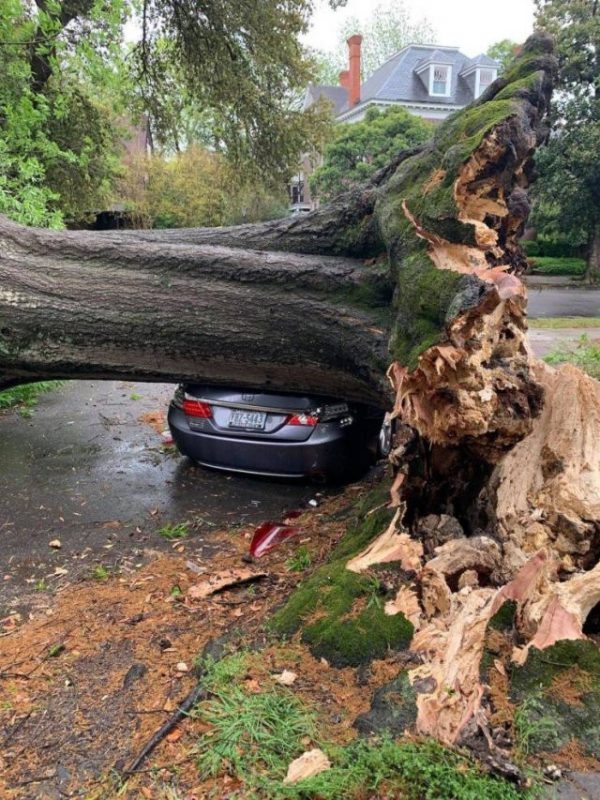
x: 100, y: 573
x: 25, y: 397
x: 300, y: 561
x: 555, y: 323
x: 534, y: 728
x: 585, y: 356
x: 549, y: 265
x: 255, y: 735
x: 171, y: 532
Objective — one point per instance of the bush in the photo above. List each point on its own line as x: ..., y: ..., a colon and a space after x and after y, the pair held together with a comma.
x: 542, y: 265
x: 531, y: 248
x: 552, y: 248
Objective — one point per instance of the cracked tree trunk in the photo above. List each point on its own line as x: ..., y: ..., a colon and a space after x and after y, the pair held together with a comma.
x: 416, y: 273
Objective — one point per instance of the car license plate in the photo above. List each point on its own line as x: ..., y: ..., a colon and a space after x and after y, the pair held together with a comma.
x: 250, y: 420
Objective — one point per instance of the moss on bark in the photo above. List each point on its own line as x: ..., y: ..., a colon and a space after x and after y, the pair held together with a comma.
x: 545, y: 717
x: 340, y: 614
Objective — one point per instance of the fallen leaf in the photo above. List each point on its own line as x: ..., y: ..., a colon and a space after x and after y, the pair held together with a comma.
x: 174, y: 736
x: 115, y: 524
x: 307, y: 765
x: 223, y: 580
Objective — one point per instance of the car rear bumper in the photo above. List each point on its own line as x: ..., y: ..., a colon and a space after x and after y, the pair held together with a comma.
x: 327, y: 453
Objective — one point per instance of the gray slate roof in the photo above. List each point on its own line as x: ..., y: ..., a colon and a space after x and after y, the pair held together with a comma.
x: 398, y: 80
x: 335, y: 94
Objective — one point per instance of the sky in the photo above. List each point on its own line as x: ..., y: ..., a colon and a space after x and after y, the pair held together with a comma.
x: 471, y: 25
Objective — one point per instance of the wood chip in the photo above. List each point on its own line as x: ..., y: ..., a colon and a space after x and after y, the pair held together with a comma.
x: 307, y: 765
x: 223, y: 580
x: 287, y: 677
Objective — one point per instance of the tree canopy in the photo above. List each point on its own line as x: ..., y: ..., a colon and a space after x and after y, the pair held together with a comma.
x: 61, y: 99
x: 229, y: 75
x: 503, y: 51
x: 388, y: 29
x: 361, y: 148
x: 567, y: 192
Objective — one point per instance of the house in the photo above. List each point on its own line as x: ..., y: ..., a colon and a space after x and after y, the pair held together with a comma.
x: 430, y: 81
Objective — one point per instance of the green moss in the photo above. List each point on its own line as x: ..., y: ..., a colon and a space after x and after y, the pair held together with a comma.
x: 522, y: 87
x: 504, y: 618
x: 429, y: 300
x: 338, y: 634
x: 425, y: 184
x: 545, y: 719
x: 393, y: 709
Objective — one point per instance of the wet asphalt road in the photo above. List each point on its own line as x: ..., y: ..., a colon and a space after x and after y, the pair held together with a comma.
x: 83, y: 469
x: 563, y: 302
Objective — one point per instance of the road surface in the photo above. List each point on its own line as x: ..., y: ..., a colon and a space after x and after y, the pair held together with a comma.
x: 564, y: 302
x: 86, y: 471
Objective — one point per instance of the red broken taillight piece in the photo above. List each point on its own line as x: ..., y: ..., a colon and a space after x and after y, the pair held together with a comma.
x: 303, y: 419
x: 194, y: 408
x: 269, y: 535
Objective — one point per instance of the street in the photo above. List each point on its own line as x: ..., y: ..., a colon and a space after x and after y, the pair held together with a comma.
x: 84, y: 469
x: 563, y: 302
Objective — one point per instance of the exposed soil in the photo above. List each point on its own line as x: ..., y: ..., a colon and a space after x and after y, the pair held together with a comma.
x: 101, y: 664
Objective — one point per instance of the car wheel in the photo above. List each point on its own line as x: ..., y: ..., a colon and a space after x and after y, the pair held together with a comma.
x: 384, y: 441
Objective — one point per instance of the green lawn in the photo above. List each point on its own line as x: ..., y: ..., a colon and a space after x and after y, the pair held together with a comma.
x: 565, y: 322
x: 548, y: 265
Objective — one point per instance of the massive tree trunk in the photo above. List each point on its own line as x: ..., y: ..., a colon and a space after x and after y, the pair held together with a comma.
x: 416, y: 273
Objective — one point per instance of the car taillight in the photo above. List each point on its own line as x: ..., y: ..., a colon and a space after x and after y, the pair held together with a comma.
x: 194, y: 408
x: 303, y: 419
x: 333, y: 411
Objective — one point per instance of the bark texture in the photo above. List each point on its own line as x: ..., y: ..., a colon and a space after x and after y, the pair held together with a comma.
x: 417, y: 272
x: 76, y: 305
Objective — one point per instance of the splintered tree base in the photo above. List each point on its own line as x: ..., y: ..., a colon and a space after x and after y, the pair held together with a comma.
x: 404, y: 292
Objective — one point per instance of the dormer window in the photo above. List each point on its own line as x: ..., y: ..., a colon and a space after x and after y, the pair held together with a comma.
x: 439, y: 80
x: 483, y: 79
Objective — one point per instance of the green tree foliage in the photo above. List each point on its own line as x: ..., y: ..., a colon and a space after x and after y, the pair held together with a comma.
x: 388, y: 30
x: 225, y: 73
x: 568, y: 189
x: 361, y: 148
x: 58, y: 135
x: 503, y: 51
x: 245, y: 68
x: 196, y: 188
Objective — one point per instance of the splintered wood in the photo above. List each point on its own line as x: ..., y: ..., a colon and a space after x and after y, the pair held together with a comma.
x: 538, y: 429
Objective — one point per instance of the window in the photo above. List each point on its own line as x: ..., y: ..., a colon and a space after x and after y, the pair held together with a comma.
x: 484, y: 78
x: 297, y: 192
x: 440, y: 80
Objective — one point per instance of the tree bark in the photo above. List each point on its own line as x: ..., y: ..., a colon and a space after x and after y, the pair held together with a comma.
x: 76, y: 305
x: 592, y: 272
x: 417, y: 272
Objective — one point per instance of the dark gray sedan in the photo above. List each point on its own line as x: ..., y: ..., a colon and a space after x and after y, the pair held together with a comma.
x: 280, y: 435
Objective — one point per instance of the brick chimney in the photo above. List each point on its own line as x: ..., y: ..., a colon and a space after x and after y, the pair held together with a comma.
x: 354, y: 45
x: 345, y: 79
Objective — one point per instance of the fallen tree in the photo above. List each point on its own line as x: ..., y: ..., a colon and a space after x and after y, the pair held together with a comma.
x: 417, y: 274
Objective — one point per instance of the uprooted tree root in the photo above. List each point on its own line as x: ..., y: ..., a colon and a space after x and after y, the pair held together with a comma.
x: 500, y: 503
